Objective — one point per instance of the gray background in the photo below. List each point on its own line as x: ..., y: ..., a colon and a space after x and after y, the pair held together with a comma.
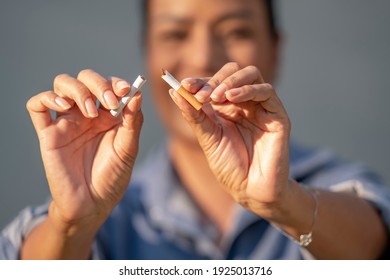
x: 333, y: 80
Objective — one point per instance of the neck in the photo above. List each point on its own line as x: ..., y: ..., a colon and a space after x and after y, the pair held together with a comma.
x: 196, y: 176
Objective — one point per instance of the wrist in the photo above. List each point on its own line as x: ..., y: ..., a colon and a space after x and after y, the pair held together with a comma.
x: 69, y: 229
x: 67, y: 240
x: 297, y: 212
x: 56, y: 239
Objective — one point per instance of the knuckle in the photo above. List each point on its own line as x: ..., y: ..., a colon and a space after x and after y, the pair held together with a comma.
x: 102, y: 85
x: 253, y: 69
x: 29, y: 103
x: 43, y: 96
x: 84, y: 72
x: 232, y: 81
x: 233, y: 66
x: 60, y: 77
x: 80, y: 90
x: 245, y: 89
x: 214, y: 82
x: 268, y: 87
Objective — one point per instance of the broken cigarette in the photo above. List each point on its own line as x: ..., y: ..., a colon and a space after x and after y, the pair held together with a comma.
x: 166, y: 76
x: 138, y: 83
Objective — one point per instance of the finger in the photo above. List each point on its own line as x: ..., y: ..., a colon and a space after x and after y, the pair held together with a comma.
x: 204, y: 125
x: 193, y: 85
x: 246, y: 76
x: 120, y: 86
x: 127, y: 139
x: 227, y: 70
x: 71, y: 88
x: 99, y: 87
x: 180, y: 101
x: 39, y: 107
x: 263, y: 93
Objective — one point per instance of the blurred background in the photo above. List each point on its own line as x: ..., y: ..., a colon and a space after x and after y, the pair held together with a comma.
x: 333, y: 77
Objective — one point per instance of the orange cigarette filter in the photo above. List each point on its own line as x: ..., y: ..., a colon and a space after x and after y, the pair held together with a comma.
x: 166, y: 76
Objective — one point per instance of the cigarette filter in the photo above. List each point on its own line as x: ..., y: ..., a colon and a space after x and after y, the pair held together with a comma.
x: 138, y: 83
x: 166, y: 76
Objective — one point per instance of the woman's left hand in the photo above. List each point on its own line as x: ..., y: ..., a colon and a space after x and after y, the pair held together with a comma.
x: 244, y: 132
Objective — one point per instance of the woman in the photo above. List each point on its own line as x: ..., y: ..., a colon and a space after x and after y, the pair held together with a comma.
x: 227, y: 183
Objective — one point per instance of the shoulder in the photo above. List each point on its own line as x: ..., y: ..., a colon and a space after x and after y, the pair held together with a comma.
x: 323, y: 168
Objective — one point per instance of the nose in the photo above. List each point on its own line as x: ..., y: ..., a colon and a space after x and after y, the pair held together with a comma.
x: 205, y: 55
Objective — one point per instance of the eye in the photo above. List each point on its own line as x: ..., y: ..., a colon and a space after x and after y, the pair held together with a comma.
x: 239, y: 34
x: 173, y: 36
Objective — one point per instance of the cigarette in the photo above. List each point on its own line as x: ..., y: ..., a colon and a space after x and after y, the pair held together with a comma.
x: 138, y: 83
x: 166, y: 76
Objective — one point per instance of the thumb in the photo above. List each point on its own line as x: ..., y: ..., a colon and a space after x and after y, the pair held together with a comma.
x: 126, y: 141
x: 203, y: 122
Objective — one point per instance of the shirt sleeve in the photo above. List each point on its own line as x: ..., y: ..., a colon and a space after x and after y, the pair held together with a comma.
x: 13, y: 235
x: 361, y: 181
x: 378, y: 195
x: 358, y: 179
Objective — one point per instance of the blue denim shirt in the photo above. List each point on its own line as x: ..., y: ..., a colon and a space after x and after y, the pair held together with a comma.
x: 158, y: 219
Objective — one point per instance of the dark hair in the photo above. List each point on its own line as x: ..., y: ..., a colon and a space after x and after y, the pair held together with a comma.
x: 274, y: 28
x: 269, y: 4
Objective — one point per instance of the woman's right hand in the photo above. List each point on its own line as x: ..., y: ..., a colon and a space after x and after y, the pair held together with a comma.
x: 87, y: 153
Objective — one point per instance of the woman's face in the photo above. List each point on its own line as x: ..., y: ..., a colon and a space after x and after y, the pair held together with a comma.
x: 195, y: 38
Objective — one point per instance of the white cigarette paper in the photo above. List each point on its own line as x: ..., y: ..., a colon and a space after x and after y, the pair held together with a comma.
x: 171, y: 81
x: 166, y: 76
x: 138, y: 83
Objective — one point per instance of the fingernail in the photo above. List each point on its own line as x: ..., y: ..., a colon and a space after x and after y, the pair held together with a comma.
x: 202, y: 96
x: 62, y: 103
x: 90, y: 106
x: 170, y: 91
x: 189, y: 81
x: 233, y: 92
x: 121, y: 85
x: 172, y: 94
x: 192, y: 84
x: 205, y: 90
x: 110, y: 99
x: 218, y: 92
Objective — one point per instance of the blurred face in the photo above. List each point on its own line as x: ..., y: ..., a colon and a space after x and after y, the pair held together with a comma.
x: 195, y: 38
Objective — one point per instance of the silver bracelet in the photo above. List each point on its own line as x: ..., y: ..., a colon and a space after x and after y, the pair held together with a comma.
x: 306, y: 239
